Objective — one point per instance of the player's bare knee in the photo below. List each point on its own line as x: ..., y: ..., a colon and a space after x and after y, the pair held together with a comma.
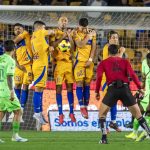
x: 17, y: 112
x: 18, y: 86
x: 87, y: 83
x: 58, y: 89
x: 39, y: 89
x: 25, y: 87
x: 70, y: 87
x: 79, y: 84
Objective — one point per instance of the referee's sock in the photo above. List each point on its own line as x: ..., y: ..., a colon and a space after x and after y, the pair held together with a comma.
x: 102, y: 122
x: 144, y: 124
x: 79, y: 92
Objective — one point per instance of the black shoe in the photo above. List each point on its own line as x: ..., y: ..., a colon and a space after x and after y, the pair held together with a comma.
x: 114, y: 126
x: 129, y: 125
x: 103, y: 141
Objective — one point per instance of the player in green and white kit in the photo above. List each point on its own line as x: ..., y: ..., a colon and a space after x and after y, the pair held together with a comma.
x: 8, y: 99
x: 145, y: 102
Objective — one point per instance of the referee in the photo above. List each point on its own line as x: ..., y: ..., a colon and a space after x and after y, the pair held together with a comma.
x: 117, y: 71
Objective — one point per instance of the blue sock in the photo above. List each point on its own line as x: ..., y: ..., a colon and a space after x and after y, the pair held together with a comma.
x: 18, y: 93
x: 79, y: 92
x: 113, y: 112
x: 24, y: 98
x: 59, y: 103
x: 86, y: 95
x: 37, y: 96
x: 41, y: 102
x: 71, y: 101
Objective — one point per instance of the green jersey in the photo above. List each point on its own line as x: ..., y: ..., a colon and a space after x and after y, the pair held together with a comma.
x: 146, y: 72
x: 7, y: 67
x: 145, y: 69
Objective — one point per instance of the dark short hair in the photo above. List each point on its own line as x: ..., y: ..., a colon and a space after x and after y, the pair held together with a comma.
x: 19, y: 24
x: 9, y: 45
x: 113, y: 49
x: 83, y: 22
x: 111, y: 33
x: 39, y: 23
x: 148, y: 56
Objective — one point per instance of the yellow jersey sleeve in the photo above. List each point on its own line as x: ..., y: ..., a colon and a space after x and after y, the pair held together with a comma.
x: 45, y: 32
x: 105, y: 52
x: 77, y: 37
x: 23, y: 35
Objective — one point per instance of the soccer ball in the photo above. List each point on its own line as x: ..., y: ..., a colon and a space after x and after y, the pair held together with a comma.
x: 64, y: 46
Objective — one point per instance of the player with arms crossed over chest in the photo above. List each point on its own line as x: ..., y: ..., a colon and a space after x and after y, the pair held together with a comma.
x: 8, y: 100
x: 64, y: 64
x: 40, y: 49
x: 85, y: 41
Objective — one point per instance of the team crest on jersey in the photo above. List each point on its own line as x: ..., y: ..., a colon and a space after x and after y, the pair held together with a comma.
x: 80, y: 73
x: 29, y: 74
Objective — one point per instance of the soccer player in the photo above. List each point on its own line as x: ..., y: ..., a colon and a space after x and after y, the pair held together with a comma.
x: 64, y: 64
x: 145, y: 102
x: 40, y: 50
x: 23, y: 57
x: 85, y: 41
x: 8, y: 100
x: 117, y: 71
x: 113, y: 38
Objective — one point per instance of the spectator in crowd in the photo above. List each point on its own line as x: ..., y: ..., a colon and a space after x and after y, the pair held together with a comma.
x: 136, y: 63
x: 83, y: 2
x: 31, y: 2
x: 116, y: 2
x: 146, y: 3
x: 97, y: 3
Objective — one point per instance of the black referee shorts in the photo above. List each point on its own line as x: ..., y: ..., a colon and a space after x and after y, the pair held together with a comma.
x: 114, y: 94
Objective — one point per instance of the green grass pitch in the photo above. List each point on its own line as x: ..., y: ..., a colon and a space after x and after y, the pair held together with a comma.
x: 71, y: 141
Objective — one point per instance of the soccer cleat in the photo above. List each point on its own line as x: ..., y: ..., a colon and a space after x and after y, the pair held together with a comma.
x: 129, y: 125
x: 1, y: 141
x: 84, y: 112
x: 61, y: 119
x: 132, y: 135
x: 142, y: 136
x: 40, y: 118
x: 19, y: 139
x: 114, y: 126
x: 103, y: 141
x: 72, y: 117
